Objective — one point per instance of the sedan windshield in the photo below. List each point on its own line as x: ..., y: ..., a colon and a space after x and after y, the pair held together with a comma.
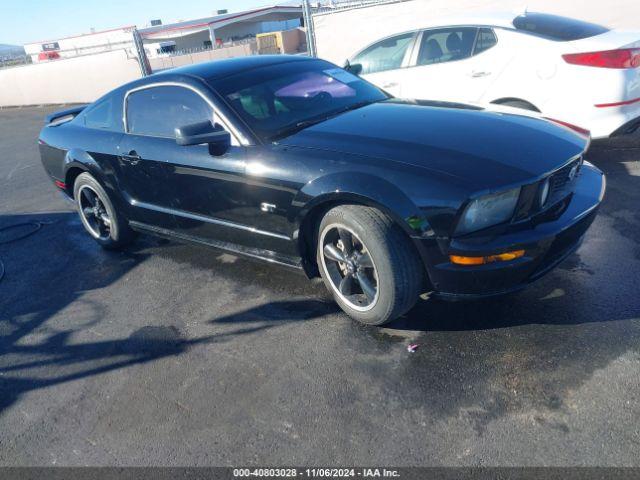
x: 278, y: 100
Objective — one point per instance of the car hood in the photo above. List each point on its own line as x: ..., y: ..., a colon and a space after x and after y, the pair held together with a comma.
x: 485, y: 149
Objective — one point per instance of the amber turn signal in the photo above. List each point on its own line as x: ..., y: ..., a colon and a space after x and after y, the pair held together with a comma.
x: 501, y: 257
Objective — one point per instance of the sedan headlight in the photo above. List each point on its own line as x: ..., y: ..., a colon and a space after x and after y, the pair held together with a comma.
x: 488, y: 210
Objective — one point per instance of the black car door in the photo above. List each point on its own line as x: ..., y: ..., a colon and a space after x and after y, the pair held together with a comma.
x: 143, y: 151
x: 181, y: 188
x: 199, y: 195
x: 175, y: 187
x: 212, y: 195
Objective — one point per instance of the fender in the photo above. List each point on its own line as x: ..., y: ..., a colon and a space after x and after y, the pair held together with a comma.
x: 366, y: 189
x: 76, y: 158
x: 80, y: 159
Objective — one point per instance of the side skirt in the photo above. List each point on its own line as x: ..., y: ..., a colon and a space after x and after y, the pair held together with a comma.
x: 252, y: 253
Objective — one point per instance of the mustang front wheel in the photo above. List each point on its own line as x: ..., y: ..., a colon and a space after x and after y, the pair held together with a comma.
x: 98, y: 214
x: 368, y: 263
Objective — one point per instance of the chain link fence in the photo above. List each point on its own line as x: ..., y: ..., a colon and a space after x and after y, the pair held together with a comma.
x: 48, y: 56
x: 332, y: 6
x: 315, y: 9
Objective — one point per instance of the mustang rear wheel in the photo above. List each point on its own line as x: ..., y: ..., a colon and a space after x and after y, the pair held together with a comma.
x: 98, y: 214
x: 368, y: 263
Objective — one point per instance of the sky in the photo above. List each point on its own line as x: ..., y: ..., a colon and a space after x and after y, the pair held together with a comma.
x: 25, y: 21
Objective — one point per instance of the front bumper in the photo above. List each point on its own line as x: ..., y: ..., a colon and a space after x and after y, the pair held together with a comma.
x: 546, y: 245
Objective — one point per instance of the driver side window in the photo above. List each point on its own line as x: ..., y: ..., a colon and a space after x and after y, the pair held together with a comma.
x: 387, y: 54
x: 158, y: 111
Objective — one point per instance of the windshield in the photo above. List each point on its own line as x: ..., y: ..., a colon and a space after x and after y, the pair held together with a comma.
x: 278, y: 100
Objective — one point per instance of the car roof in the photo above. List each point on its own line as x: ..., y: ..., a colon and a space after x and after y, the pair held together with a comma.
x: 230, y: 66
x: 496, y: 19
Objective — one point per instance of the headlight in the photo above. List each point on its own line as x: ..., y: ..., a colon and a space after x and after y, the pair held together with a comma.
x: 488, y: 210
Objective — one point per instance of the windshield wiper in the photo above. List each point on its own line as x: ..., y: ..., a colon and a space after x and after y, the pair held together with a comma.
x: 355, y: 106
x: 291, y: 129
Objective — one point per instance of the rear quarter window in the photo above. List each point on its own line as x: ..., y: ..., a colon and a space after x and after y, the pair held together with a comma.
x: 105, y: 114
x: 100, y: 115
x: 553, y: 27
x: 486, y: 39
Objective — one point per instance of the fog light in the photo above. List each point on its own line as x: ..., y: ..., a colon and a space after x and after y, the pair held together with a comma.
x: 501, y: 257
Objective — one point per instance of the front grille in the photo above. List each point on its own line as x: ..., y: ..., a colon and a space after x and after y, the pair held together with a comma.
x: 560, y: 182
x: 560, y: 179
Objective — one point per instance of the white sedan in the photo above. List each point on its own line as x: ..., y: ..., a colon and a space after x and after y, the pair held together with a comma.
x: 569, y: 70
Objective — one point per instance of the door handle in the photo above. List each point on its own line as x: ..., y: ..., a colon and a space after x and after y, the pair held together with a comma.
x: 475, y: 74
x: 132, y: 157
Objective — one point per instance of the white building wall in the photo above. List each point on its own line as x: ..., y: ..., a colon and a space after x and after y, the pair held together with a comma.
x: 73, y: 80
x: 90, y: 43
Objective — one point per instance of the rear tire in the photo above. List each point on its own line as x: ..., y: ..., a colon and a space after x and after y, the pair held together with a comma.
x: 98, y: 214
x: 380, y: 275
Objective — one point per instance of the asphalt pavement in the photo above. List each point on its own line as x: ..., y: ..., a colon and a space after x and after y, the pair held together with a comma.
x: 168, y: 354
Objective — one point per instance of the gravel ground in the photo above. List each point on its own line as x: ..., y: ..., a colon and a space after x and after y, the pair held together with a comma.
x: 167, y: 354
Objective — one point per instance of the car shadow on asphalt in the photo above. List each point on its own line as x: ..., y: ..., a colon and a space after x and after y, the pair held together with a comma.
x: 48, y: 271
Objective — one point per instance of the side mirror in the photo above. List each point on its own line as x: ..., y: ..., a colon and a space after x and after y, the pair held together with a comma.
x: 354, y: 68
x: 218, y: 139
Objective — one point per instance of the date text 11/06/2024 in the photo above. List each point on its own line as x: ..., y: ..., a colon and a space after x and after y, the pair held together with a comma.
x: 316, y: 472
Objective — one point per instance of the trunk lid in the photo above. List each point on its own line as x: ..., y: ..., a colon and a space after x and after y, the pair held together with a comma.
x: 611, y: 40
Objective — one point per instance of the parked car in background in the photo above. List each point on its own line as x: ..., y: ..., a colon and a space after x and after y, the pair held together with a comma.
x: 297, y: 162
x: 567, y: 69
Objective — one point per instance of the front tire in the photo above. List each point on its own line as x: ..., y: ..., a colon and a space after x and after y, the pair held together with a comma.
x: 98, y: 214
x: 368, y: 263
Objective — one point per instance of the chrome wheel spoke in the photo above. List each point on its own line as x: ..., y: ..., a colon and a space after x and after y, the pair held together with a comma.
x: 89, y: 196
x: 88, y: 211
x: 333, y: 253
x: 367, y: 287
x: 104, y: 218
x: 347, y: 240
x: 346, y: 285
x: 364, y: 260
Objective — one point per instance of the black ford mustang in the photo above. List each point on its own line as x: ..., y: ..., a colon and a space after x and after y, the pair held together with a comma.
x: 297, y: 162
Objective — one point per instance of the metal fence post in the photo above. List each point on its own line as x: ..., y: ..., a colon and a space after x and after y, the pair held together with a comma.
x: 143, y: 61
x: 308, y: 23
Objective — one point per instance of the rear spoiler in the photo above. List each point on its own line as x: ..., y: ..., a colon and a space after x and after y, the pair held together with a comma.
x: 64, y: 115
